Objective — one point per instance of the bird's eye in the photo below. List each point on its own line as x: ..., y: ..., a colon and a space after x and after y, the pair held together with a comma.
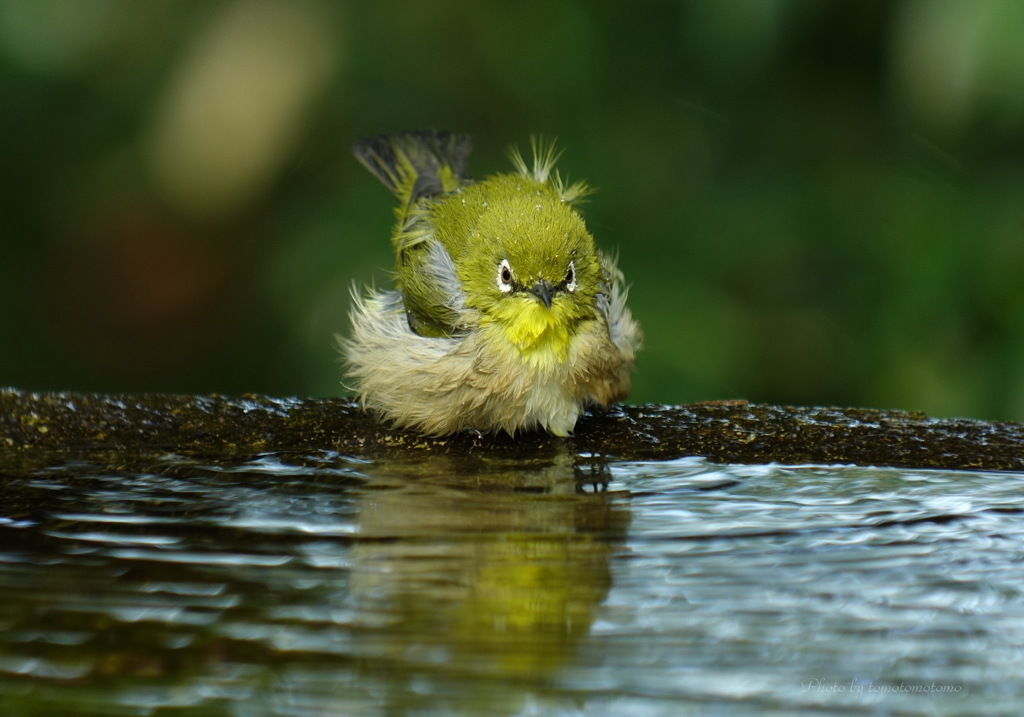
x: 504, y: 276
x: 570, y: 278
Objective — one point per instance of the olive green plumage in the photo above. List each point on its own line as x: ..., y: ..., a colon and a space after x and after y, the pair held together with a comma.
x: 504, y: 316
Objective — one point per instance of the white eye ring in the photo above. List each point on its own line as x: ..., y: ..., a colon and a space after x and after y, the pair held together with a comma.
x: 570, y: 278
x: 504, y: 276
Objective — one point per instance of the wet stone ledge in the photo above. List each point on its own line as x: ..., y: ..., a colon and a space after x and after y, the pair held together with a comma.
x: 38, y: 426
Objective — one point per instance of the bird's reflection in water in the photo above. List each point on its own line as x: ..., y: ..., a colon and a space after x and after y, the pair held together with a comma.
x: 469, y: 567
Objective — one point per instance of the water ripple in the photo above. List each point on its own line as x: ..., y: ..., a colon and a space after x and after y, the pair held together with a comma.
x: 320, y: 584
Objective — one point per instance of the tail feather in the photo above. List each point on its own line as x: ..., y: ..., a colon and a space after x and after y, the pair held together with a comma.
x: 416, y: 164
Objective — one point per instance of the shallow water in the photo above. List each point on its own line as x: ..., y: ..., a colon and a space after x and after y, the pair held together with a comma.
x: 325, y: 585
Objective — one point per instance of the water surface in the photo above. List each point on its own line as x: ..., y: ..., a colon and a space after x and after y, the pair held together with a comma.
x: 321, y: 584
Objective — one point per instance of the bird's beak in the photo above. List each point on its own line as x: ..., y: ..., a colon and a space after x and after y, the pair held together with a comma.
x: 543, y: 290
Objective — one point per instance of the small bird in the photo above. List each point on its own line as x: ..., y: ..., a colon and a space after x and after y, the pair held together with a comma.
x: 505, y: 316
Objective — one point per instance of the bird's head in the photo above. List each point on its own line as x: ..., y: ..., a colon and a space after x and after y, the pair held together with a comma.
x: 530, y: 266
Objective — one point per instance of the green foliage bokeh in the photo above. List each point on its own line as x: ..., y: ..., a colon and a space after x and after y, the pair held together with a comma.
x: 815, y: 203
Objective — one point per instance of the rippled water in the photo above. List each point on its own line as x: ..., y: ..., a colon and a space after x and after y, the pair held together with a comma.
x: 326, y: 585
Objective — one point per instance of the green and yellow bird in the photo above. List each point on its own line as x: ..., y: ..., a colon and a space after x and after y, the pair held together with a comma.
x: 505, y: 316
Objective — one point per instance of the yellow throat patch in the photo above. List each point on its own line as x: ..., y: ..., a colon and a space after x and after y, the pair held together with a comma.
x: 540, y: 334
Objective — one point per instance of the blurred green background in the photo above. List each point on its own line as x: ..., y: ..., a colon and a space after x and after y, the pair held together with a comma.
x: 815, y: 202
